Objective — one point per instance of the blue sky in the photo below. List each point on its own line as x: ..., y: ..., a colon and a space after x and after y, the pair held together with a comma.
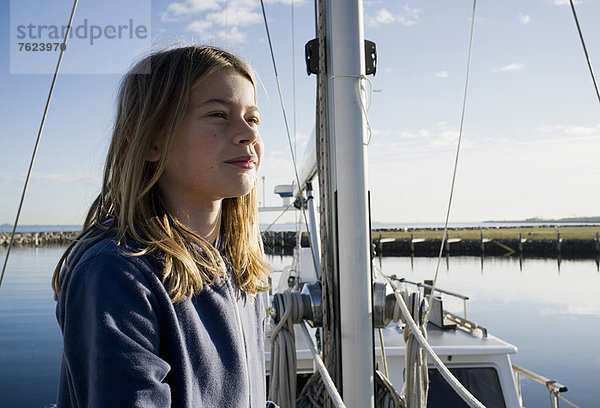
x: 532, y: 127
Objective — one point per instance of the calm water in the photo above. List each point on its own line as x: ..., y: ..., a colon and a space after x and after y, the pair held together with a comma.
x: 551, y: 313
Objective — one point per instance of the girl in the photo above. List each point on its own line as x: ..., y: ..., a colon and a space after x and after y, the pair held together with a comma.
x: 157, y: 297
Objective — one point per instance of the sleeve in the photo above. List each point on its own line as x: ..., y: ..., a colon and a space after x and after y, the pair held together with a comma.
x: 112, y: 337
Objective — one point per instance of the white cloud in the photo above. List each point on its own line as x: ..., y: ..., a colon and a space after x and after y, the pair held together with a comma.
x: 53, y: 179
x: 199, y: 27
x: 218, y: 19
x: 382, y: 16
x: 301, y: 140
x: 442, y: 74
x: 408, y: 17
x: 392, y: 141
x: 570, y: 310
x: 241, y: 16
x: 563, y: 2
x: 279, y: 163
x: 424, y: 133
x: 516, y: 66
x: 571, y: 130
x: 286, y: 2
x: 179, y: 11
x: 234, y: 35
x: 524, y: 18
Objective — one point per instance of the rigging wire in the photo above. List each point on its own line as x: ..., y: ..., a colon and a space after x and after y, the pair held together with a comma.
x: 278, y: 217
x: 293, y: 29
x: 285, y: 120
x: 63, y: 47
x: 462, y: 119
x: 587, y: 57
x: 294, y: 79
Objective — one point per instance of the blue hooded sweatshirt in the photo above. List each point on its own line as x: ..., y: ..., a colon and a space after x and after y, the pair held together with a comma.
x: 126, y: 344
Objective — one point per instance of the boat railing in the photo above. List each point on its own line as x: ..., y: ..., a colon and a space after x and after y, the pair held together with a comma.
x: 446, y: 292
x: 465, y: 324
x: 462, y: 322
x: 554, y: 387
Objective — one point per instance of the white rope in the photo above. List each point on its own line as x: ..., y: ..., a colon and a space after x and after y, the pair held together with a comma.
x: 383, y: 356
x: 386, y: 395
x: 336, y: 399
x: 416, y: 386
x: 314, y: 393
x: 282, y: 387
x: 452, y: 381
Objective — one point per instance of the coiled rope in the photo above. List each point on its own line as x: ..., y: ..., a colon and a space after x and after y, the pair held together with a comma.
x: 314, y: 393
x: 386, y: 395
x: 282, y: 386
x: 416, y: 386
x: 320, y: 386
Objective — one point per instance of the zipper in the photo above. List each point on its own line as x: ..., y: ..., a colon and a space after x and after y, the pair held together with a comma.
x: 239, y: 323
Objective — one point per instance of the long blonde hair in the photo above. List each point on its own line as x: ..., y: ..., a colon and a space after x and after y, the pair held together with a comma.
x: 152, y: 101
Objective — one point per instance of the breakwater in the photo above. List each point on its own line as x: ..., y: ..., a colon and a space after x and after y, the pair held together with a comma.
x: 46, y: 238
x: 277, y: 242
x: 283, y: 242
x: 538, y: 249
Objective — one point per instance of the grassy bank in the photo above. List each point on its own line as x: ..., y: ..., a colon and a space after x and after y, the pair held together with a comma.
x: 541, y: 233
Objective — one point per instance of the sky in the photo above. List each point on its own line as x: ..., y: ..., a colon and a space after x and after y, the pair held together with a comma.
x: 531, y: 134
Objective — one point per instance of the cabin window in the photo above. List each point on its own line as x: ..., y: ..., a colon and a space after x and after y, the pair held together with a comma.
x: 482, y: 382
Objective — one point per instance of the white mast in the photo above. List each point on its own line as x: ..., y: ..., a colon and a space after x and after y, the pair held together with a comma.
x: 347, y: 125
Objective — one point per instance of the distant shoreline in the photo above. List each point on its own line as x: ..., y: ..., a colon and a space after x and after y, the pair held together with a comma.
x: 562, y: 222
x: 568, y: 240
x: 570, y: 220
x: 40, y: 228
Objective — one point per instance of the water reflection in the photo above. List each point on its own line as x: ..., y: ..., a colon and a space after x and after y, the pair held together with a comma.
x: 549, y: 308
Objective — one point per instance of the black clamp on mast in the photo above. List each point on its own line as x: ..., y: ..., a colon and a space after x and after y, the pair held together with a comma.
x: 311, y: 56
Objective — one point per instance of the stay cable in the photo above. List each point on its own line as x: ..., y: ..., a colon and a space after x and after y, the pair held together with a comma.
x: 63, y: 48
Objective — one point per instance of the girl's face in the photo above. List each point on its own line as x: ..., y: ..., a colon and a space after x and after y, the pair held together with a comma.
x: 217, y: 151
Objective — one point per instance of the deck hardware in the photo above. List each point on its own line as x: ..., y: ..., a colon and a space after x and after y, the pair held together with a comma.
x: 370, y: 58
x: 311, y: 56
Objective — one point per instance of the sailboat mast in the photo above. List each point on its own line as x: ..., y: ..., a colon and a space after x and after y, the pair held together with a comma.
x: 348, y: 159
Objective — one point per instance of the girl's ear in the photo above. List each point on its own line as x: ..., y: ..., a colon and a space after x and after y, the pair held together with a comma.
x: 153, y: 154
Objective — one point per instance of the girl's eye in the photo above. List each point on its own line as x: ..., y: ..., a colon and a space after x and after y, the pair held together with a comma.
x: 217, y: 115
x: 253, y: 120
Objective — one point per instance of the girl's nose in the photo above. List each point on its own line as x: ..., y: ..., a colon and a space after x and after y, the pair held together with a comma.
x: 246, y: 134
